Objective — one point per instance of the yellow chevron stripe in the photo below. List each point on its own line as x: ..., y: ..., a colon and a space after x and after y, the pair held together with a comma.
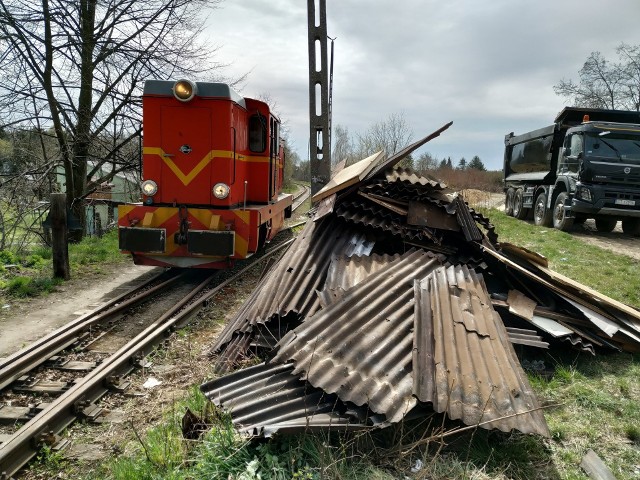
x: 187, y: 179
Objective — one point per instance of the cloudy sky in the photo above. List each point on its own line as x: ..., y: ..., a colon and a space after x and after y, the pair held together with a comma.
x: 488, y: 66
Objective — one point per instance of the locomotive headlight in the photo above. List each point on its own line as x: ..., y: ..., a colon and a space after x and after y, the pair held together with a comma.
x: 220, y: 190
x: 184, y: 90
x: 149, y: 188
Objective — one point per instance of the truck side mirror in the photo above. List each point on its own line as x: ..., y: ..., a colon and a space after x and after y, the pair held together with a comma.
x: 566, y: 152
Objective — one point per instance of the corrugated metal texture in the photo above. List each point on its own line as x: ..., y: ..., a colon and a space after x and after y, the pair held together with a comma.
x: 302, y: 269
x: 360, y: 347
x: 364, y: 213
x: 361, y: 212
x: 466, y: 221
x: 267, y: 398
x: 524, y: 336
x: 406, y: 191
x: 475, y: 374
x: 407, y: 175
x: 346, y: 272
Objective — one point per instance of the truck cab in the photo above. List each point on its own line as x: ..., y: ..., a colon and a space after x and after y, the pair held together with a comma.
x: 601, y: 163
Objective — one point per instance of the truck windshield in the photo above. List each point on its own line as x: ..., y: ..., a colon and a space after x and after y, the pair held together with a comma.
x: 617, y: 147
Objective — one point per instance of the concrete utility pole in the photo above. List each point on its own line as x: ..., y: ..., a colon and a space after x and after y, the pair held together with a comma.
x: 319, y: 129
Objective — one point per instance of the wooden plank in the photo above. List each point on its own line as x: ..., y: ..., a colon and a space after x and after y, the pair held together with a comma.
x: 348, y: 176
x: 595, y: 467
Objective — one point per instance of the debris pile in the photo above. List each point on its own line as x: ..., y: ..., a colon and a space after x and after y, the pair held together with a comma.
x: 395, y: 301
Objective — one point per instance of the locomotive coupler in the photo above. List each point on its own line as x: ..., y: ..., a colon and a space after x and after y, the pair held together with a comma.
x: 180, y: 237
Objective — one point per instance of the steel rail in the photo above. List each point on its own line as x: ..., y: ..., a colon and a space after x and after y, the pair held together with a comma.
x: 61, y: 412
x: 302, y: 196
x: 17, y: 364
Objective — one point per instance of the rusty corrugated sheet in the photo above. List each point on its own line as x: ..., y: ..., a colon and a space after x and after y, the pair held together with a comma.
x: 291, y: 285
x: 360, y: 347
x: 466, y: 221
x: 408, y: 175
x: 524, y: 336
x: 469, y: 368
x: 267, y: 398
x: 346, y: 272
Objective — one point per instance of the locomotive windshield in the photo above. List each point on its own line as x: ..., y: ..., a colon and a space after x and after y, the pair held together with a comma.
x: 618, y: 147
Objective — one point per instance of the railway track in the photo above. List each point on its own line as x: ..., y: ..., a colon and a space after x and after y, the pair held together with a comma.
x: 301, y: 196
x: 41, y: 404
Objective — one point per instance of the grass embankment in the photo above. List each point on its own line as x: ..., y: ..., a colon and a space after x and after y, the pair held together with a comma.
x: 29, y: 274
x: 594, y: 404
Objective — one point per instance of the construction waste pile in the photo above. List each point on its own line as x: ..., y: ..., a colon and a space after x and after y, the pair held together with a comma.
x: 395, y: 301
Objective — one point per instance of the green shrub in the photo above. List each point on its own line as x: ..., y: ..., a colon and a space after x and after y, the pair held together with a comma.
x: 22, y: 287
x: 7, y: 257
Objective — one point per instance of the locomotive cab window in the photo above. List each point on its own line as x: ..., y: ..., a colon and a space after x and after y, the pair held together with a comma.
x: 257, y: 133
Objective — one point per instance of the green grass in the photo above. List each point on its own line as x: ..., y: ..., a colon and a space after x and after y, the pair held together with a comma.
x: 30, y: 274
x: 611, y: 274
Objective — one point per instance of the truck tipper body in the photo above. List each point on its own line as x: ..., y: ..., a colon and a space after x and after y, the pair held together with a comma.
x: 585, y: 165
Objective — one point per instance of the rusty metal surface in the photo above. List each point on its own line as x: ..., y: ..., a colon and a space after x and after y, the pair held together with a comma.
x: 346, y: 272
x: 524, y: 336
x: 267, y: 398
x: 407, y: 175
x: 470, y: 370
x: 430, y: 215
x: 466, y: 221
x: 291, y: 285
x: 360, y: 347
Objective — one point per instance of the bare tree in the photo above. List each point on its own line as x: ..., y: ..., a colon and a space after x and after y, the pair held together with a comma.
x: 426, y: 162
x: 390, y: 135
x: 604, y: 84
x: 75, y: 71
x: 342, y: 146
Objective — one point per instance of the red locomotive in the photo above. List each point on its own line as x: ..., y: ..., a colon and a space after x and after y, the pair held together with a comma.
x: 212, y: 178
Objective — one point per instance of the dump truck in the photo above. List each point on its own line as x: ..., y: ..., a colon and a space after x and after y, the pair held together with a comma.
x: 585, y: 165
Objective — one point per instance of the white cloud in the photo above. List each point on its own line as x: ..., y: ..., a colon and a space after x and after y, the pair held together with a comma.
x: 488, y: 66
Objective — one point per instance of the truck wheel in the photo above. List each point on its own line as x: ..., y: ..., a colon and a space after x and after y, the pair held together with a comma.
x: 542, y: 216
x: 605, y: 224
x: 518, y: 210
x: 560, y: 219
x: 631, y: 226
x: 508, y: 202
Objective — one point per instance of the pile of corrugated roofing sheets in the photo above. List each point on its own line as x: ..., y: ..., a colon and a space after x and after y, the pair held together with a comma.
x: 393, y: 303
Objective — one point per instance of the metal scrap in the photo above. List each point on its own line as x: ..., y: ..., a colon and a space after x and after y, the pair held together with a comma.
x: 398, y: 301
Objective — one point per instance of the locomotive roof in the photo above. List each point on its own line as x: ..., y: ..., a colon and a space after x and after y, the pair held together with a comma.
x: 205, y: 89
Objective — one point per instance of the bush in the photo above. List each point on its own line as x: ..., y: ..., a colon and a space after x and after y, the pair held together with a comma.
x: 469, y: 178
x: 7, y: 257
